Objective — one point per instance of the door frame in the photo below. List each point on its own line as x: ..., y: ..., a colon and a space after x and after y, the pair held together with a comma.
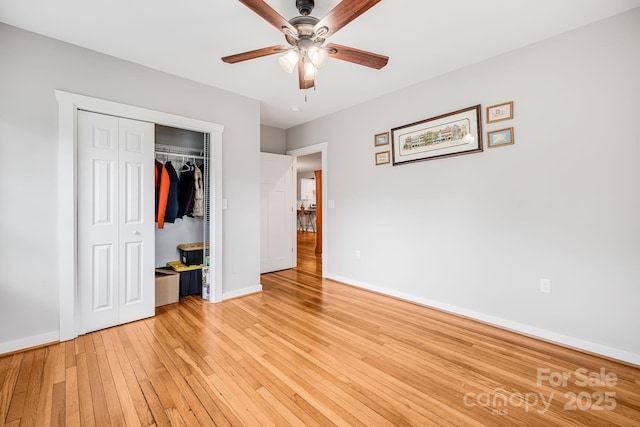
x: 312, y: 149
x: 68, y: 106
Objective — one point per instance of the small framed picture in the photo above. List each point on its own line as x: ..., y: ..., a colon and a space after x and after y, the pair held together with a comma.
x: 381, y: 139
x: 497, y: 113
x: 500, y: 137
x: 383, y: 157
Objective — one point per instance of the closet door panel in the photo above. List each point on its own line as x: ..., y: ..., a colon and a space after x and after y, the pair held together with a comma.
x: 103, y: 208
x: 102, y: 281
x: 134, y: 179
x: 134, y: 277
x: 136, y: 215
x: 115, y: 221
x: 97, y: 221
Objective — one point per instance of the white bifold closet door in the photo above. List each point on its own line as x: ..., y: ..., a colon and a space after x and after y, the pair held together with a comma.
x: 116, y: 231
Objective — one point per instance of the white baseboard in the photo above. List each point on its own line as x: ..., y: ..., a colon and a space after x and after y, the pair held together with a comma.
x: 241, y: 292
x: 565, y: 340
x: 28, y: 342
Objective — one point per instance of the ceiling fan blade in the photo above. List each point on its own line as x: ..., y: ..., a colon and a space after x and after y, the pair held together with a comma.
x: 345, y: 12
x: 252, y: 54
x: 357, y: 56
x: 270, y: 15
x: 304, y: 84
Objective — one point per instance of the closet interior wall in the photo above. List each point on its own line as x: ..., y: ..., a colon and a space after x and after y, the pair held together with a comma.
x: 185, y: 229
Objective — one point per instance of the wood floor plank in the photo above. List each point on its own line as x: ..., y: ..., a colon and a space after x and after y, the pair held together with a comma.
x: 127, y: 359
x: 30, y: 410
x: 85, y: 398
x: 98, y: 399
x: 206, y: 383
x: 16, y: 406
x: 211, y: 405
x: 289, y: 352
x: 155, y: 406
x: 111, y: 394
x: 8, y: 384
x: 310, y: 352
x: 285, y: 395
x: 58, y: 409
x: 153, y: 366
x: 71, y: 396
x: 125, y: 400
x: 15, y: 423
x: 331, y: 372
x: 187, y: 404
x: 45, y: 389
x: 69, y: 353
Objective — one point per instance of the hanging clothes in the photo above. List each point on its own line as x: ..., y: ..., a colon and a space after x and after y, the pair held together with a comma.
x: 198, y: 199
x: 172, y: 201
x: 186, y: 191
x: 162, y: 183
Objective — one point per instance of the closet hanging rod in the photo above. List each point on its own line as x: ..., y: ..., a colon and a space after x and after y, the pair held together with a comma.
x: 180, y: 155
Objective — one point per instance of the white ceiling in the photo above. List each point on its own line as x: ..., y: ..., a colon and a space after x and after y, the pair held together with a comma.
x: 423, y: 39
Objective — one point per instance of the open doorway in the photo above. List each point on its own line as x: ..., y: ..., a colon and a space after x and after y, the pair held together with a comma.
x: 311, y: 183
x: 309, y: 187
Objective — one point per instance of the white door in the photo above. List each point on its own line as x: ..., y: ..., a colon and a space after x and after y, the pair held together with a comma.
x: 115, y: 220
x: 277, y: 213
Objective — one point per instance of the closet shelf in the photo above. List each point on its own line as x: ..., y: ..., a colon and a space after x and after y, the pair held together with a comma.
x: 179, y: 152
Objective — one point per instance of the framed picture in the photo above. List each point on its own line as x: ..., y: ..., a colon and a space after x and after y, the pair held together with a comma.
x: 382, y: 158
x: 500, y: 137
x: 381, y: 139
x: 497, y: 113
x: 450, y: 134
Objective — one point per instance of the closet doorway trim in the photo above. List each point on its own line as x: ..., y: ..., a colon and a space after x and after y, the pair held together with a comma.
x: 68, y: 106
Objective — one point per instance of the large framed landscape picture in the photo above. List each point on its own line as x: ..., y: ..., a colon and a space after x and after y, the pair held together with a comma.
x: 450, y: 134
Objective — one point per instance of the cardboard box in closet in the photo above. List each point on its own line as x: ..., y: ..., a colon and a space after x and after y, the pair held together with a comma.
x: 167, y: 286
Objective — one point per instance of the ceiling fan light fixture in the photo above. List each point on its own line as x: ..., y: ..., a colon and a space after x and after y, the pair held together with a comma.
x: 318, y: 56
x: 321, y: 31
x: 310, y: 71
x: 288, y: 61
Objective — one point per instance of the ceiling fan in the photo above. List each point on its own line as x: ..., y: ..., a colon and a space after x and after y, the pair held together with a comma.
x: 306, y: 36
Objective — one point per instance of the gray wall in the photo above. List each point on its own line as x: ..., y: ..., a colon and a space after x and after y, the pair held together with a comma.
x: 475, y: 233
x: 273, y: 140
x: 32, y: 67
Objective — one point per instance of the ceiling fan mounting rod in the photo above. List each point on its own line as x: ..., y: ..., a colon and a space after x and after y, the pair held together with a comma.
x: 305, y: 6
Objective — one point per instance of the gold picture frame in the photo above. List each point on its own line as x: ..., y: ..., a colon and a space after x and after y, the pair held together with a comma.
x: 500, y: 138
x: 381, y: 139
x: 500, y: 112
x: 383, y: 157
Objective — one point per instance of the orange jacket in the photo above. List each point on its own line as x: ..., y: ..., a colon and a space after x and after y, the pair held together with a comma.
x: 162, y: 192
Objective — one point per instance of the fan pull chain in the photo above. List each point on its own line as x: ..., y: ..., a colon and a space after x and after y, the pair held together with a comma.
x: 305, y: 92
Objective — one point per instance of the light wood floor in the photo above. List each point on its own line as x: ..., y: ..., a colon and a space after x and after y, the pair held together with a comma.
x: 309, y: 352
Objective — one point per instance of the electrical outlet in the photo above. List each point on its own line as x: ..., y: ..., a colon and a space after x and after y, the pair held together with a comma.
x: 357, y: 254
x: 545, y: 286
